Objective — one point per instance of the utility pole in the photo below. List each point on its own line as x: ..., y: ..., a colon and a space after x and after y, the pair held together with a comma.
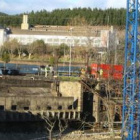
x: 70, y: 51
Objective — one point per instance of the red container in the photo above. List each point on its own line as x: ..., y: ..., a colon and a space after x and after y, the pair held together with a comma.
x: 118, y: 76
x: 106, y: 75
x: 94, y: 67
x: 105, y: 67
x: 94, y: 70
x: 118, y: 68
x: 109, y: 71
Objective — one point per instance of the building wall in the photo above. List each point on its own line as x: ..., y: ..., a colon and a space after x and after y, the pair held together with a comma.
x: 57, y: 40
x: 3, y: 36
x: 35, y: 103
x: 72, y: 89
x: 107, y: 39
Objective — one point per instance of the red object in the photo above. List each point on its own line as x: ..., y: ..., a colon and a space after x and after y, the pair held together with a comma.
x: 118, y: 76
x: 118, y: 68
x: 106, y: 75
x: 94, y: 69
x: 109, y: 71
x: 105, y: 67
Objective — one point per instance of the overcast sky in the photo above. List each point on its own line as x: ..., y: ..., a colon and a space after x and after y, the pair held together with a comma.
x: 20, y: 6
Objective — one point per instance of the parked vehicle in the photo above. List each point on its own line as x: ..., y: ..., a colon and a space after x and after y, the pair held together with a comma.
x: 10, y: 72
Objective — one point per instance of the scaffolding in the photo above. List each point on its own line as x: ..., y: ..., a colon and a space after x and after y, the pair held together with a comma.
x: 131, y: 92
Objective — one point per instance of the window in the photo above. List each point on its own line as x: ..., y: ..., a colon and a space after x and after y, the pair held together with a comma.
x: 26, y: 108
x: 1, y: 107
x: 70, y: 107
x: 13, y: 107
x: 59, y: 107
x: 49, y: 107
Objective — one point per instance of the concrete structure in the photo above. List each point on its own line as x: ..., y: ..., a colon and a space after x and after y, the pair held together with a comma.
x: 35, y: 103
x: 23, y: 100
x: 56, y: 35
x: 26, y: 100
x: 3, y: 36
x: 25, y: 24
x: 73, y: 89
x: 25, y: 108
x: 105, y: 39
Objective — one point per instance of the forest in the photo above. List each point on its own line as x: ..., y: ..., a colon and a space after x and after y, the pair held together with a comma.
x: 63, y: 17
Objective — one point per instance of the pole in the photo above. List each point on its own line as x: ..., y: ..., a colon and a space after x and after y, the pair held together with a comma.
x: 70, y: 53
x: 70, y: 62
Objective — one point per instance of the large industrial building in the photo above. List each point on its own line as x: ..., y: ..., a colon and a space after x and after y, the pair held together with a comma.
x: 56, y: 35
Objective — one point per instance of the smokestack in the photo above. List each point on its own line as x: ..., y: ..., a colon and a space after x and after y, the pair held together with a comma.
x: 25, y: 24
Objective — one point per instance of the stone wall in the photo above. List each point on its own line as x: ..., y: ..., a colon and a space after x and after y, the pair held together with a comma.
x: 73, y: 89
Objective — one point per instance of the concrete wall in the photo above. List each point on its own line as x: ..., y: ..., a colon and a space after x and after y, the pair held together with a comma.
x: 3, y: 37
x: 57, y: 40
x: 74, y: 89
x: 35, y: 103
x: 25, y: 25
x: 96, y: 107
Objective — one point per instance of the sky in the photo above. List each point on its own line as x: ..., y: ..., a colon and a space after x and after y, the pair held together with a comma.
x: 20, y: 6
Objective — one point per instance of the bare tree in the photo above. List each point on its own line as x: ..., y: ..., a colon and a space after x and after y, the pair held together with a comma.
x: 13, y: 45
x: 5, y: 58
x: 10, y: 46
x: 50, y: 123
x: 31, y: 48
x: 20, y: 50
x: 110, y: 114
x: 62, y: 126
x: 108, y: 104
x: 59, y: 52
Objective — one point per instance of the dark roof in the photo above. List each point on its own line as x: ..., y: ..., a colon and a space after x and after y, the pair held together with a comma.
x: 53, y: 32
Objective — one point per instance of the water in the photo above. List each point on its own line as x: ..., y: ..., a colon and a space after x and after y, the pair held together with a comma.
x: 27, y: 131
x: 23, y: 136
x: 23, y: 131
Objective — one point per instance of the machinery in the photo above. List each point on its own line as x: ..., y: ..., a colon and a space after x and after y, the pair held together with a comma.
x: 131, y: 92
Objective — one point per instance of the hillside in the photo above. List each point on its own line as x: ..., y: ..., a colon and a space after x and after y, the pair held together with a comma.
x: 76, y: 16
x: 3, y: 14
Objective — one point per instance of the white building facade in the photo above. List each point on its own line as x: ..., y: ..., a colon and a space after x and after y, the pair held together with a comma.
x: 3, y: 36
x: 106, y: 39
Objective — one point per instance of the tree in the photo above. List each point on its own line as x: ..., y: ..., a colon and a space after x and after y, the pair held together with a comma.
x: 31, y: 48
x: 40, y: 47
x: 5, y: 58
x: 77, y: 21
x: 59, y: 52
x: 62, y: 126
x: 11, y: 46
x: 50, y: 123
x: 64, y: 49
x: 52, y: 60
x: 111, y: 16
x: 2, y: 49
x: 20, y: 50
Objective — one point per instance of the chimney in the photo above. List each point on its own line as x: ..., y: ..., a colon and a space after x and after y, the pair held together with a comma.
x: 25, y: 24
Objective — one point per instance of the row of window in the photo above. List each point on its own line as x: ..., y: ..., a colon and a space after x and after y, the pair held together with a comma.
x: 57, y: 41
x: 14, y: 108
